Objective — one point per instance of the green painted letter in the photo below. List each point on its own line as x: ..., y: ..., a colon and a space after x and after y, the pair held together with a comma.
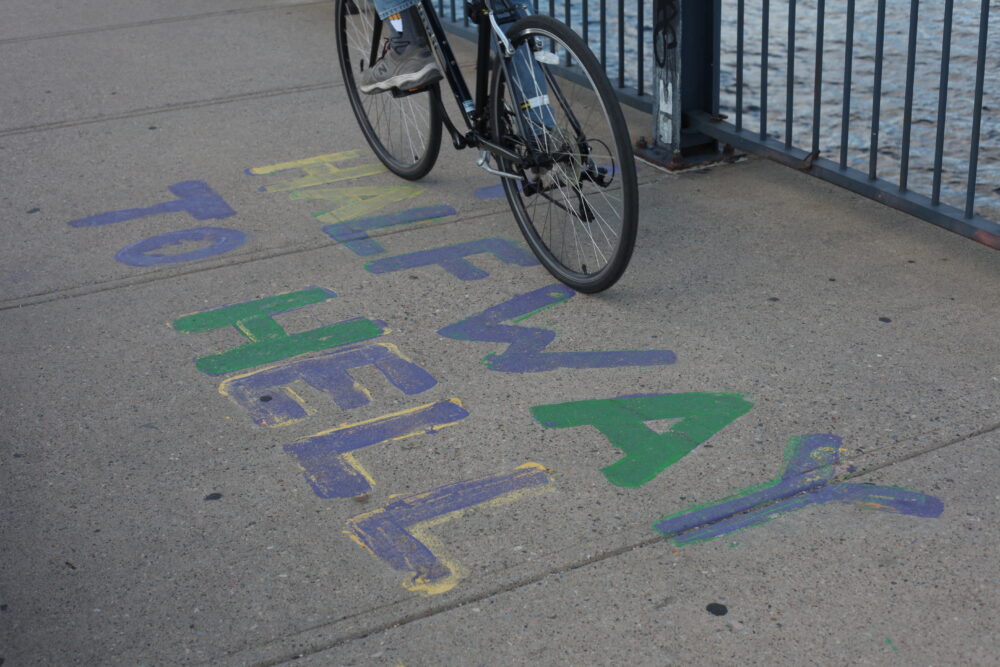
x: 647, y: 453
x: 268, y: 340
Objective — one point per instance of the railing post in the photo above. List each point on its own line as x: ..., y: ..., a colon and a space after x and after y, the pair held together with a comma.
x: 666, y: 145
x: 684, y: 63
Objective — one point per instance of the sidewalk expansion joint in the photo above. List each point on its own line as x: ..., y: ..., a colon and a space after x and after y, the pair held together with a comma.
x: 407, y: 618
x: 441, y: 609
x: 920, y: 452
x: 180, y: 106
x: 40, y: 298
x: 171, y: 19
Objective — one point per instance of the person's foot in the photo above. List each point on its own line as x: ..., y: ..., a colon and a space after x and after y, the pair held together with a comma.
x: 413, y: 68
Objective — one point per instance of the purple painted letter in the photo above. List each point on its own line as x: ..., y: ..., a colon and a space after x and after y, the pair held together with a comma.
x: 805, y: 481
x: 452, y: 258
x: 330, y: 374
x: 525, y: 352
x: 386, y: 532
x: 194, y: 198
x: 333, y: 475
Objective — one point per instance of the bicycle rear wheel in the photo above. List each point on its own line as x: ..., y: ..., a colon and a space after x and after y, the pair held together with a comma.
x: 576, y: 198
x: 403, y: 129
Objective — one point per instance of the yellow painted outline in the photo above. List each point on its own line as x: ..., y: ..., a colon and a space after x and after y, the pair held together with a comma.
x: 285, y: 388
x: 391, y: 415
x: 292, y: 394
x: 326, y: 158
x: 420, y: 532
x: 355, y: 201
x: 353, y: 461
x: 318, y: 170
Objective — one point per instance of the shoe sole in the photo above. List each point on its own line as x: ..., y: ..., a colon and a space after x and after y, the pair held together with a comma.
x: 423, y: 77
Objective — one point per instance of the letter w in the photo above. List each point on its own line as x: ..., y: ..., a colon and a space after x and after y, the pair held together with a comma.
x: 525, y: 353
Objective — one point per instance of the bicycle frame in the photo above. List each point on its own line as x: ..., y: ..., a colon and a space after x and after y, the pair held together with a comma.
x: 474, y: 111
x: 520, y: 121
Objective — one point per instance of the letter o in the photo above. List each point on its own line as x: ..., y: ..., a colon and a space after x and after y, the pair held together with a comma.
x: 144, y: 252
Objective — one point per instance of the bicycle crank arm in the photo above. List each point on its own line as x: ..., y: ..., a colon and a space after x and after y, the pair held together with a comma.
x: 496, y: 150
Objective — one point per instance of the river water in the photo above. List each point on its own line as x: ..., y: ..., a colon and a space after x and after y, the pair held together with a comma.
x: 924, y: 124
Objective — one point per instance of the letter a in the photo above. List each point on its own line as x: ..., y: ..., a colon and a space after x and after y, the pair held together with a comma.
x: 647, y: 453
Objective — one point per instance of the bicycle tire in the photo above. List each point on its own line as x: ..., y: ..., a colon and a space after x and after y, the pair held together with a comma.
x: 595, y: 189
x: 404, y: 132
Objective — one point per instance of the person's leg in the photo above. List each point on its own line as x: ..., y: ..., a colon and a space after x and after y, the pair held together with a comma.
x: 408, y: 64
x: 387, y: 8
x: 528, y: 83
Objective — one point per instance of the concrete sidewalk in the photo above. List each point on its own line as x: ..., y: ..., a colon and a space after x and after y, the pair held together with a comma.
x: 373, y: 481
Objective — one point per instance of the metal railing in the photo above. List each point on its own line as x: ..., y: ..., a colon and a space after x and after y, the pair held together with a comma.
x: 615, y: 30
x: 896, y: 113
x: 907, y: 114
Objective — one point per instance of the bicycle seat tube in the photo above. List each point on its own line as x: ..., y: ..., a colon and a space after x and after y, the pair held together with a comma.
x: 446, y: 59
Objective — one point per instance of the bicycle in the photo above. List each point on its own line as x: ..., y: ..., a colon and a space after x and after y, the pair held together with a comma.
x: 570, y: 184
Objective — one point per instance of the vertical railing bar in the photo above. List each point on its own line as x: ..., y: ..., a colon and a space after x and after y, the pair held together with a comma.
x: 790, y: 80
x: 567, y: 21
x: 621, y: 43
x: 552, y: 12
x: 604, y: 33
x: 942, y: 101
x: 764, y: 31
x: 739, y: 64
x: 877, y: 93
x: 911, y: 66
x: 845, y: 127
x: 452, y: 11
x: 640, y: 63
x: 716, y: 55
x: 586, y: 23
x: 977, y: 109
x: 818, y: 79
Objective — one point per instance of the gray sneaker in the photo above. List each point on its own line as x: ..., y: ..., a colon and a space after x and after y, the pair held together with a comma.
x: 411, y: 69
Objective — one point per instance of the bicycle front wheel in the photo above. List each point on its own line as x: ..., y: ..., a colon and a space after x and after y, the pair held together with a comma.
x: 575, y: 198
x: 404, y: 129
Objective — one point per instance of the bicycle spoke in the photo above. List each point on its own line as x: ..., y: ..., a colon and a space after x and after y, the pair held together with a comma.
x: 405, y: 130
x: 577, y: 208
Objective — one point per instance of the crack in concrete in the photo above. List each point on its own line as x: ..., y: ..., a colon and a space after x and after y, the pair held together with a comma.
x: 920, y: 452
x: 180, y: 106
x: 233, y: 260
x: 39, y: 298
x: 170, y: 19
x: 411, y: 617
x: 454, y: 604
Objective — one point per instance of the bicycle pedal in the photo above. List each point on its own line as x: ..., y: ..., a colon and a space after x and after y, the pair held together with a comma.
x: 406, y: 92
